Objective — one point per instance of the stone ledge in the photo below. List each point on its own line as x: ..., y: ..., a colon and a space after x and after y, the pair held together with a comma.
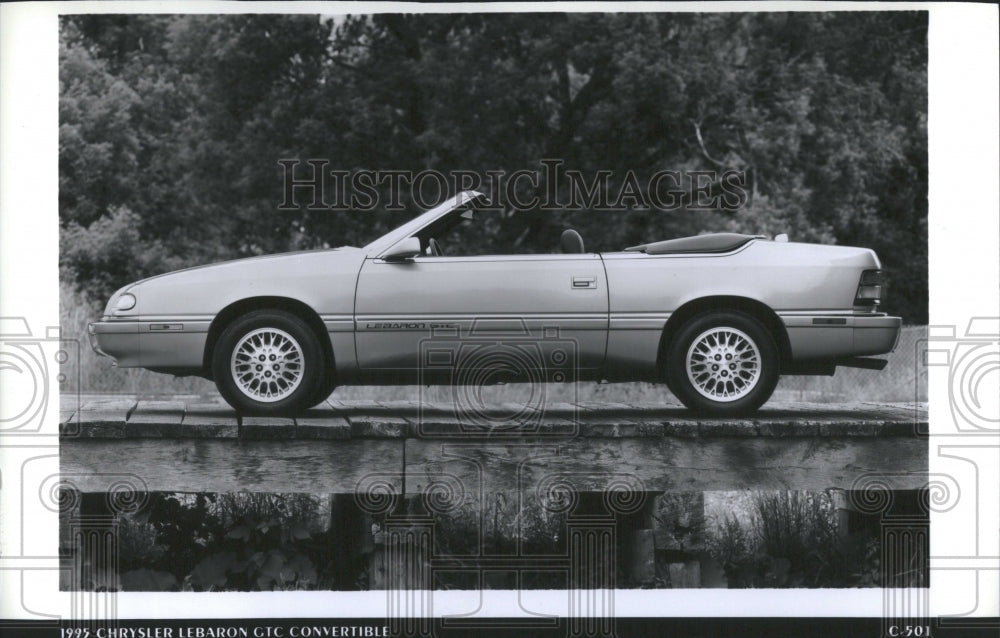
x: 190, y: 417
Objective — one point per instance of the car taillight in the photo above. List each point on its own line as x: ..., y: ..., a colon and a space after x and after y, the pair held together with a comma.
x: 869, y: 289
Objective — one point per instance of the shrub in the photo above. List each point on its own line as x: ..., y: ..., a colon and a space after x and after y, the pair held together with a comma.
x: 791, y: 539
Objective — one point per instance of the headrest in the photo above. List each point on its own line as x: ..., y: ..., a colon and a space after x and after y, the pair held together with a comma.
x: 571, y: 242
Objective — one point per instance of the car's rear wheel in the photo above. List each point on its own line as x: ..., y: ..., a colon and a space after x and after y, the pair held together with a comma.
x: 268, y: 362
x: 723, y: 363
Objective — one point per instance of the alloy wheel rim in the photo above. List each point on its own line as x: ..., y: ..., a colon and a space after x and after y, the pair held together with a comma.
x: 267, y: 364
x: 723, y: 364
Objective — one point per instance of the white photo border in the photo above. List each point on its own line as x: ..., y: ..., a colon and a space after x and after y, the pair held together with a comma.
x: 964, y: 245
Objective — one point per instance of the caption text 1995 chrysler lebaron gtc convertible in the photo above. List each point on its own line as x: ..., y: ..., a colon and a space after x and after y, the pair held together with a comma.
x: 716, y: 317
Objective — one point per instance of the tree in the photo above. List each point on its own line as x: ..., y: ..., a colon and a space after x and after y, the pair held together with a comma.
x: 183, y: 119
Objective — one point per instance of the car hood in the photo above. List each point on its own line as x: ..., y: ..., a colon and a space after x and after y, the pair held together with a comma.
x: 249, y: 263
x: 322, y: 279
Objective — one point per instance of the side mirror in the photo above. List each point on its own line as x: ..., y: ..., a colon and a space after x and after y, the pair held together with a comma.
x: 406, y: 249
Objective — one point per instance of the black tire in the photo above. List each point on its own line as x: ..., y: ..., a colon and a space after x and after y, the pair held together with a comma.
x: 325, y: 389
x: 670, y: 385
x: 717, y: 385
x: 294, y: 353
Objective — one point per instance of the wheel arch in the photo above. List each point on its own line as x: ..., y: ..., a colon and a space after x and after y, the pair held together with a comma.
x: 239, y: 308
x: 756, y: 309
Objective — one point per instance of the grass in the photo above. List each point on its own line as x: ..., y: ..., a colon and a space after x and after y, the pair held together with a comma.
x: 903, y: 379
x: 789, y: 539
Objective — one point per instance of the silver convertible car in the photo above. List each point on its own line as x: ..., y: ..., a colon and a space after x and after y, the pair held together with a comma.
x: 717, y: 318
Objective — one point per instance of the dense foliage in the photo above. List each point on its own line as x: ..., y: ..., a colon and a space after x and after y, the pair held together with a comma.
x: 242, y: 541
x: 794, y: 539
x: 263, y: 542
x: 172, y: 127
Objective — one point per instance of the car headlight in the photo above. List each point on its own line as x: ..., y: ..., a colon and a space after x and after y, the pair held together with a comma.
x: 125, y: 302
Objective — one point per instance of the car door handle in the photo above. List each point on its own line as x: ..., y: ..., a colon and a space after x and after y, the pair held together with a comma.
x: 584, y: 282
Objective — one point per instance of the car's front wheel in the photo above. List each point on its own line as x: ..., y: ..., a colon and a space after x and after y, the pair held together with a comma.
x: 723, y: 363
x: 323, y: 390
x: 268, y: 362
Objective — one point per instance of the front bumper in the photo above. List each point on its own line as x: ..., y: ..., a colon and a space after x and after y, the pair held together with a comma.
x: 118, y: 340
x: 818, y: 337
x: 161, y: 344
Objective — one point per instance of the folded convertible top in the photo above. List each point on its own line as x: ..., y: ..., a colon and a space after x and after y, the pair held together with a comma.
x: 713, y: 243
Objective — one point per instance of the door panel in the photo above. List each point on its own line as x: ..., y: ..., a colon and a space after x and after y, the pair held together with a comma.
x: 432, y: 310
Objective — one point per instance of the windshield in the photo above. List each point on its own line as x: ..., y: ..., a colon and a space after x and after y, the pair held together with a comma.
x: 463, y: 200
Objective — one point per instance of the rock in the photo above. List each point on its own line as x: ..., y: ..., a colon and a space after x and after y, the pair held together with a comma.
x: 712, y: 573
x: 686, y: 575
x: 642, y: 557
x: 679, y: 521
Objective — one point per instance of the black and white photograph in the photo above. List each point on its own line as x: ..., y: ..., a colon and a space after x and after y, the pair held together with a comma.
x: 556, y: 258
x: 540, y: 319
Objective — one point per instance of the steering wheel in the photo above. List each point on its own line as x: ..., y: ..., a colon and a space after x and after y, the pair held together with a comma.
x: 433, y: 247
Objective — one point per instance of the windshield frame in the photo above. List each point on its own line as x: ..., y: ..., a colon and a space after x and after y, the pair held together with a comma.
x: 413, y: 227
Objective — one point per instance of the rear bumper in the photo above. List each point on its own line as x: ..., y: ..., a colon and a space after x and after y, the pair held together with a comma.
x: 818, y: 337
